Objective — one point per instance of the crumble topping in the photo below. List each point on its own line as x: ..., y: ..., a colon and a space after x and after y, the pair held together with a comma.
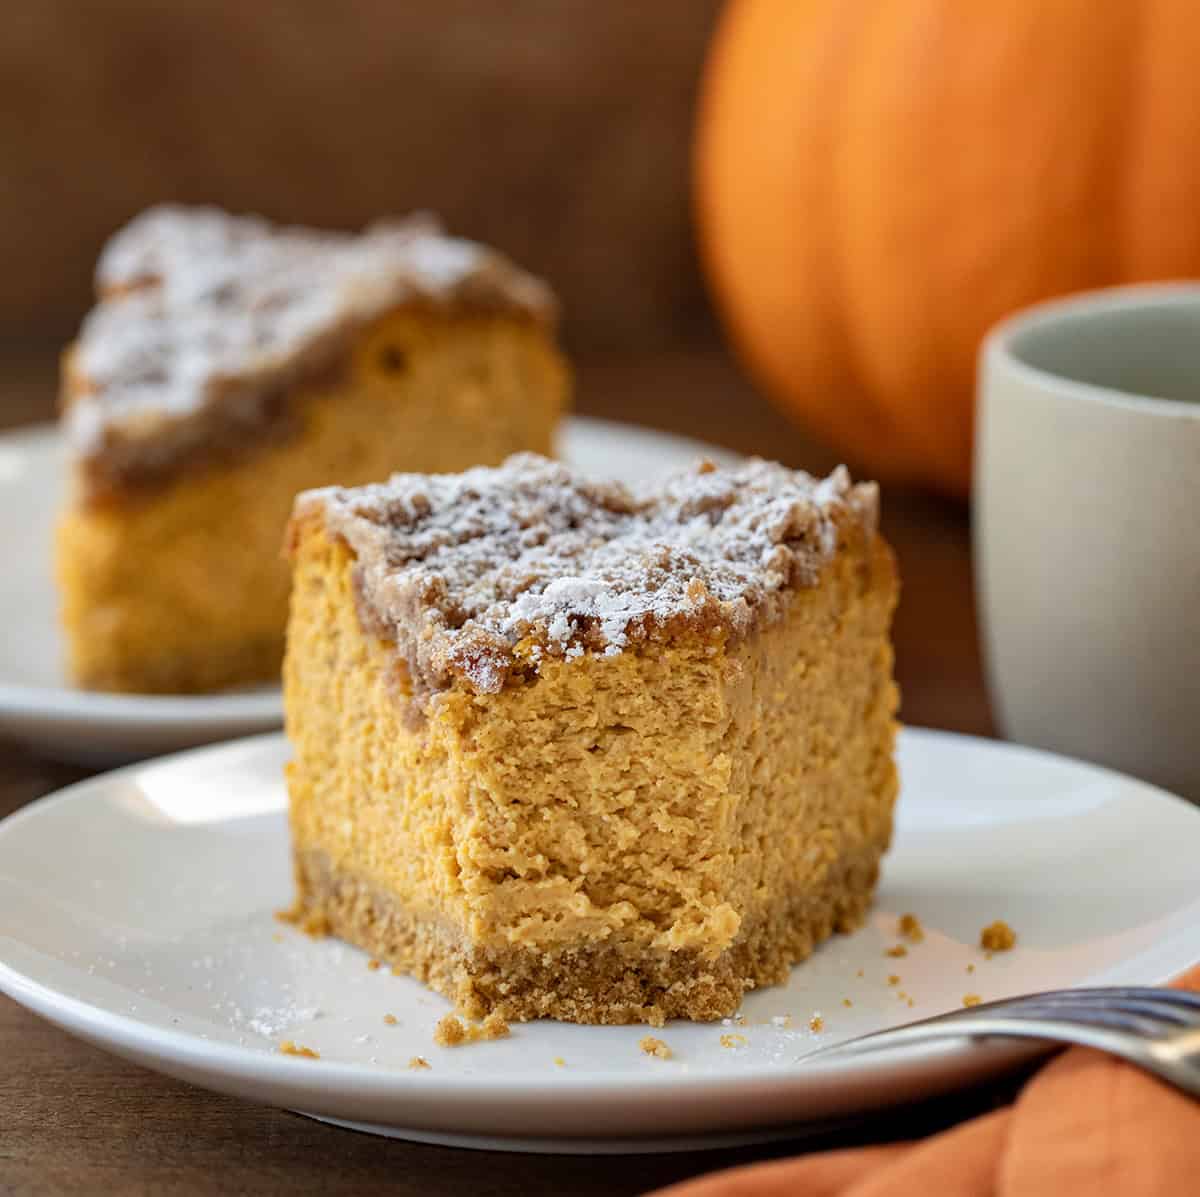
x: 473, y: 575
x: 199, y: 308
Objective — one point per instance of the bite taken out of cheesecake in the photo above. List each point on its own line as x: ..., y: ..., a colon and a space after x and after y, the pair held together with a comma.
x: 565, y: 750
x: 228, y: 365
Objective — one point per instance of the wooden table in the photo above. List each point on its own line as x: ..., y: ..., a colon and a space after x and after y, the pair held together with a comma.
x: 74, y: 1120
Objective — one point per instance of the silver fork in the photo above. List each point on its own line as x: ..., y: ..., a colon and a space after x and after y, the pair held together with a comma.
x: 1156, y: 1029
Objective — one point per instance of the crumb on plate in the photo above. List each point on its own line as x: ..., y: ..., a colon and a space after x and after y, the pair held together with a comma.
x: 847, y: 1002
x: 373, y: 964
x: 970, y: 968
x: 390, y: 1019
x: 816, y: 1023
x: 897, y: 952
x: 417, y: 1063
x: 450, y: 1032
x: 289, y: 1048
x: 314, y: 925
x: 997, y: 937
x: 911, y: 929
x: 733, y: 1040
x: 560, y: 1062
x: 655, y: 1047
x: 893, y: 979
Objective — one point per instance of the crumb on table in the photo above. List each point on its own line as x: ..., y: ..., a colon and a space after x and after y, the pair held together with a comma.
x: 390, y: 1019
x: 417, y: 1063
x: 450, y: 1032
x: 897, y: 952
x: 997, y: 937
x: 971, y: 999
x: 289, y: 1048
x: 911, y: 929
x: 733, y: 1040
x: 655, y: 1047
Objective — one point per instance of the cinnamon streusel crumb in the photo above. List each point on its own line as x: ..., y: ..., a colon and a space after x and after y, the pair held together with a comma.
x: 997, y: 937
x: 450, y: 1032
x: 655, y: 1047
x: 289, y: 1048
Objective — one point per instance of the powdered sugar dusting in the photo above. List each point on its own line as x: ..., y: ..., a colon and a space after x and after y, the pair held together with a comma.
x: 193, y: 300
x: 475, y: 574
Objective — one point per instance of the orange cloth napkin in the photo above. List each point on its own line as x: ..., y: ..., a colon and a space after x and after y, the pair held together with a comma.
x: 1085, y: 1124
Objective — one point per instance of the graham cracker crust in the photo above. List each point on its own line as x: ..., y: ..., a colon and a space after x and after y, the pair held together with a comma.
x: 598, y: 984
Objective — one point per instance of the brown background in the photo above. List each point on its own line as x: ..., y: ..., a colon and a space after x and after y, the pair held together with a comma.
x: 556, y: 129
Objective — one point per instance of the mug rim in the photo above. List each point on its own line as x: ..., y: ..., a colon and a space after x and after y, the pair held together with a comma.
x: 998, y: 348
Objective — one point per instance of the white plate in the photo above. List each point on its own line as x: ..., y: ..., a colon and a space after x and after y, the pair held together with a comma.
x: 136, y: 911
x: 39, y: 706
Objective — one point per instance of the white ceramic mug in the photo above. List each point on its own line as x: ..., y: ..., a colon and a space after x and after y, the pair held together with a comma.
x: 1087, y: 528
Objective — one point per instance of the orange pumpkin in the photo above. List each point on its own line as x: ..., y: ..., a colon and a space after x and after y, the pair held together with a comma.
x: 878, y: 181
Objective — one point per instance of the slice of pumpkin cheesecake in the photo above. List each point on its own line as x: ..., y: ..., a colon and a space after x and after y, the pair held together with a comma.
x: 568, y: 750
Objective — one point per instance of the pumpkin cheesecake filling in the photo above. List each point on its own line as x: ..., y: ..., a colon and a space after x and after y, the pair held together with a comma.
x: 563, y: 750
